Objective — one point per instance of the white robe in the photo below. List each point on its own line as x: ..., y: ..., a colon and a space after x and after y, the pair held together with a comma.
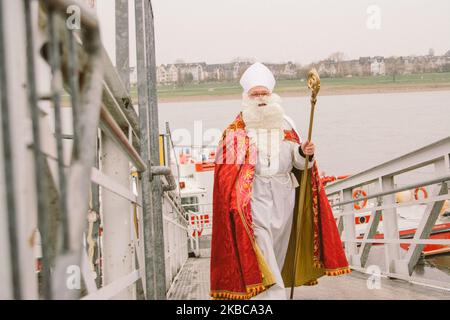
x: 272, y: 204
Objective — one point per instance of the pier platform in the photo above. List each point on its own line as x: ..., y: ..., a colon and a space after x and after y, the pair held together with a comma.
x: 192, y: 283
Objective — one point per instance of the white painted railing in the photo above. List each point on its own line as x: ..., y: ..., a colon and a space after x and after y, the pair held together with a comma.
x: 176, y: 234
x: 385, y: 182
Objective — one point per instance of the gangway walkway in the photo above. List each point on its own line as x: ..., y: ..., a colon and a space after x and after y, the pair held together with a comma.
x: 385, y: 264
x: 192, y: 283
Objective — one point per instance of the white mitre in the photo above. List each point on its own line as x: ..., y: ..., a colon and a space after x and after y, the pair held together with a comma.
x: 257, y: 75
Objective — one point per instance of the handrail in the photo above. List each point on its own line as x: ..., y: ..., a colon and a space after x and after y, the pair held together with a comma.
x: 117, y: 134
x: 119, y: 93
x: 383, y: 176
x: 442, y: 178
x: 180, y: 214
x: 365, y: 211
x: 407, y: 162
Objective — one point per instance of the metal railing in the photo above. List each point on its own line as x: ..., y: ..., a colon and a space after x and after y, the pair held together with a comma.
x: 176, y: 234
x: 176, y: 228
x: 200, y: 221
x: 83, y: 174
x: 384, y: 178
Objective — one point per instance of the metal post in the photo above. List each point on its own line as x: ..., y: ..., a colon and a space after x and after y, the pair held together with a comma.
x: 72, y: 70
x: 8, y: 166
x: 137, y: 239
x: 144, y: 140
x: 122, y: 42
x: 160, y: 274
x: 349, y: 227
x: 168, y: 146
x: 390, y: 225
x: 57, y: 87
x: 169, y: 231
x: 17, y: 158
x: 171, y: 147
x: 371, y: 230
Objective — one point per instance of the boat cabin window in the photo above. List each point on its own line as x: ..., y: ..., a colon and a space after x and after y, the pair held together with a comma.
x: 190, y: 203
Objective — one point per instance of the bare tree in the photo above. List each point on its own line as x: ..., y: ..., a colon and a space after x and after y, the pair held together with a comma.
x: 394, y: 66
x: 338, y: 57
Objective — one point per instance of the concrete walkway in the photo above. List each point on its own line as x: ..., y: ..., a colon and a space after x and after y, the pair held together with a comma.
x: 193, y: 284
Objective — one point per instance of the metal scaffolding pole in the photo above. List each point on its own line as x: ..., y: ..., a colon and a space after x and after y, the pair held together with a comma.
x: 122, y: 42
x: 144, y: 139
x: 157, y: 191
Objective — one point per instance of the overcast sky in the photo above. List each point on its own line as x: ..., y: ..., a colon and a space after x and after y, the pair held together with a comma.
x: 217, y: 31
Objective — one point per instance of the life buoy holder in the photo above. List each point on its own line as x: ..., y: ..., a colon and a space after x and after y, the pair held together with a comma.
x: 197, y: 224
x: 356, y: 194
x: 416, y: 193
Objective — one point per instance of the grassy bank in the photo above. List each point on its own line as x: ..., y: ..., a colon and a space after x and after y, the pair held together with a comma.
x: 347, y: 85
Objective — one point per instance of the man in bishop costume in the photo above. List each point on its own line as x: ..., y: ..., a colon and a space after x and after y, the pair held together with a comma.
x: 259, y: 163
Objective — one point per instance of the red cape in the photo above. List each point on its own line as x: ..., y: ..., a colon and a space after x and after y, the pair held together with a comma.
x: 236, y: 271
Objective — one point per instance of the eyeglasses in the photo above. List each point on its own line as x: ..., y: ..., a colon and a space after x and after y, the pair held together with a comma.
x: 259, y: 94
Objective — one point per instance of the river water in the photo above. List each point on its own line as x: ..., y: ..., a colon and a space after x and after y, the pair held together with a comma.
x: 351, y: 132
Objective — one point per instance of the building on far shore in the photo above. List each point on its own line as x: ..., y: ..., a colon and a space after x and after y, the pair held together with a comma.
x: 167, y: 74
x: 377, y: 67
x: 327, y: 68
x: 181, y: 73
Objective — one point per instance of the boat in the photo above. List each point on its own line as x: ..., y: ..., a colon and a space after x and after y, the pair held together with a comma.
x: 408, y: 220
x: 196, y: 178
x: 196, y: 184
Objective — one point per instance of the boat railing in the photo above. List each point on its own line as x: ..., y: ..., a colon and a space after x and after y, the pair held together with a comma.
x: 200, y: 223
x: 197, y: 152
x: 202, y: 218
x: 388, y: 180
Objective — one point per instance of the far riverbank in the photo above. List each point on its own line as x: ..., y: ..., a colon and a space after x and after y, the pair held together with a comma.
x: 298, y: 88
x: 325, y: 91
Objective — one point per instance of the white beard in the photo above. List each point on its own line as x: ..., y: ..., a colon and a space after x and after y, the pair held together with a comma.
x: 264, y: 124
x: 266, y: 117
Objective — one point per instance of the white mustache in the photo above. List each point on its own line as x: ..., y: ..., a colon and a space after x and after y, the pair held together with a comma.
x: 255, y: 102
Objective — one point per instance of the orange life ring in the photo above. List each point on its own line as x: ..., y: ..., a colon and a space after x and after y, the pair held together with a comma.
x: 416, y: 193
x: 355, y: 195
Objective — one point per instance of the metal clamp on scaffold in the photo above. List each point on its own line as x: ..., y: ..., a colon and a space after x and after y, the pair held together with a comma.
x: 163, y: 171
